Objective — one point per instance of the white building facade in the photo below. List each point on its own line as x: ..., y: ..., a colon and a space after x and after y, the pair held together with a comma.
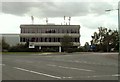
x: 49, y: 36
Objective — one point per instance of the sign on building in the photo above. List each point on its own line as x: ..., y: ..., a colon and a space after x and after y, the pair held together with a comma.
x: 31, y: 46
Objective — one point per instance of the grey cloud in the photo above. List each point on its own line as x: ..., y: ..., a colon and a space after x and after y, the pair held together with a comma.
x: 54, y: 9
x: 68, y: 9
x: 15, y: 8
x: 100, y: 7
x: 20, y: 8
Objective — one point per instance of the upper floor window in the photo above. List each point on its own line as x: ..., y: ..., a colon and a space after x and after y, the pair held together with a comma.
x: 50, y: 31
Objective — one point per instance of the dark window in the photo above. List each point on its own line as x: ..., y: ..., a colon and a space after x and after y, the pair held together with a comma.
x: 67, y: 31
x: 41, y: 39
x: 36, y: 39
x: 75, y: 39
x: 27, y: 39
x: 33, y: 39
x: 52, y: 39
x: 78, y: 39
x: 49, y: 39
x: 57, y: 30
x: 61, y: 39
x: 58, y: 39
x: 23, y: 39
x: 45, y: 39
x: 71, y: 40
x: 62, y: 31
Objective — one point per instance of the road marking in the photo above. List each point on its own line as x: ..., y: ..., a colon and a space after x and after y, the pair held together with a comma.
x: 94, y: 76
x: 38, y: 73
x: 94, y: 63
x: 2, y: 64
x: 67, y: 77
x: 51, y: 65
x: 116, y: 75
x: 48, y: 56
x: 69, y: 67
x: 74, y: 68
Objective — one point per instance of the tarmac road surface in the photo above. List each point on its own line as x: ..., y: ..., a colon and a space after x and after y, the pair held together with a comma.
x: 72, y: 66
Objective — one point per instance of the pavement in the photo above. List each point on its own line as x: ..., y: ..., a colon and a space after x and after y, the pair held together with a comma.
x: 68, y: 66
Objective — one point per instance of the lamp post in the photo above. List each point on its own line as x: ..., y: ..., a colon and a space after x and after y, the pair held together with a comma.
x: 119, y: 33
x: 108, y: 10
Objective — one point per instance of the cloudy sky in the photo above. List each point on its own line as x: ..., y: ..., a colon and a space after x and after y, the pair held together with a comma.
x: 89, y: 14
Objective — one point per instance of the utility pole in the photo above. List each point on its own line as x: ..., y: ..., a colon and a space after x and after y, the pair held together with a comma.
x: 119, y: 24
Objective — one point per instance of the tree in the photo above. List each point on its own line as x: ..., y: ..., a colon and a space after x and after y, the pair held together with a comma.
x: 87, y: 46
x: 5, y: 45
x: 17, y: 48
x: 105, y: 39
x: 67, y: 43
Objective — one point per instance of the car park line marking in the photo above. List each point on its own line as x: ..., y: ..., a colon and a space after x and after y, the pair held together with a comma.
x: 37, y: 73
x: 70, y: 68
x: 94, y: 76
x: 2, y: 64
x: 93, y: 63
x: 74, y: 68
x: 51, y: 65
x: 48, y: 56
x: 114, y: 75
x: 67, y: 77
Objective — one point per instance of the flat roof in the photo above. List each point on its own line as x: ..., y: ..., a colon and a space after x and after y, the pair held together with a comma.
x: 31, y: 25
x: 9, y: 34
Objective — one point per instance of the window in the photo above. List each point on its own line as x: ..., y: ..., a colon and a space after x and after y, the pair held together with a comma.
x: 20, y: 39
x: 41, y: 39
x: 23, y: 39
x: 45, y: 39
x: 33, y: 39
x: 36, y: 39
x: 36, y: 30
x: 52, y: 39
x: 58, y: 39
x: 62, y: 31
x: 21, y: 30
x: 49, y: 39
x: 78, y: 39
x: 39, y: 31
x: 58, y: 31
x: 67, y: 31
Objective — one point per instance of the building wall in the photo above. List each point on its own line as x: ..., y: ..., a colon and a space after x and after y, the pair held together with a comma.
x: 50, y: 28
x: 11, y: 39
x: 49, y: 34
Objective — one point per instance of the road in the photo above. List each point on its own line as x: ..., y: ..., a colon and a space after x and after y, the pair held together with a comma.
x: 71, y: 66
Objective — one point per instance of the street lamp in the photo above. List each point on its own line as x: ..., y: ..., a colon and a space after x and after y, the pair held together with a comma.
x: 118, y: 21
x: 119, y: 32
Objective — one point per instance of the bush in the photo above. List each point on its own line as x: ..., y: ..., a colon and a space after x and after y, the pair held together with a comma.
x: 69, y: 50
x: 22, y: 48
